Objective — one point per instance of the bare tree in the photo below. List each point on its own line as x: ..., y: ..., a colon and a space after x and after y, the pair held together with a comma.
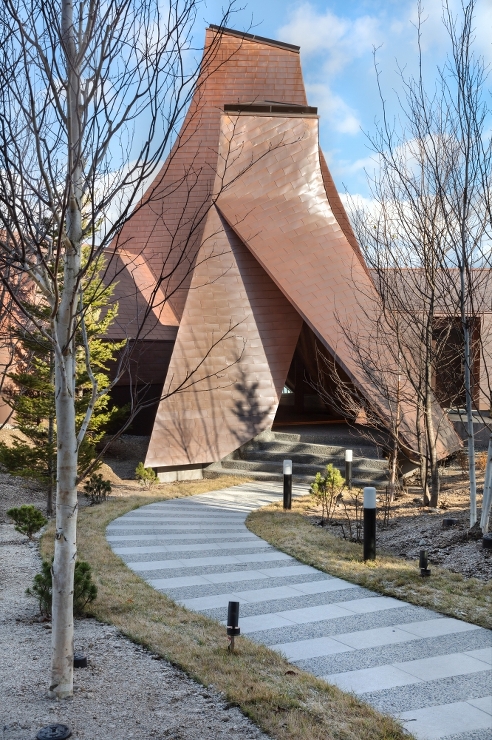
x: 8, y: 350
x: 379, y: 422
x: 465, y: 199
x: 91, y: 96
x: 399, y: 350
x: 430, y: 224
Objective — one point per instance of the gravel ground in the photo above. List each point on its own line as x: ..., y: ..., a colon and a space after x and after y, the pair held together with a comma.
x: 124, y: 693
x: 16, y: 491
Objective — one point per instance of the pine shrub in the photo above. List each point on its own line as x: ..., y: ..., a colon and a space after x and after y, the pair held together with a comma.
x: 28, y: 520
x: 147, y: 477
x: 97, y: 489
x: 327, y: 491
x: 85, y: 591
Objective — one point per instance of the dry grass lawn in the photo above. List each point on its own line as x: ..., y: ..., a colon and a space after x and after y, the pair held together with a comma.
x: 285, y: 702
x: 449, y: 593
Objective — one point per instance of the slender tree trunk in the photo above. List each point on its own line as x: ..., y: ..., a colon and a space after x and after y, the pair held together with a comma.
x: 61, y: 685
x: 469, y: 421
x: 393, y: 463
x: 51, y: 437
x: 487, y: 491
x: 431, y: 446
x: 422, y: 447
x: 64, y: 327
x: 392, y: 472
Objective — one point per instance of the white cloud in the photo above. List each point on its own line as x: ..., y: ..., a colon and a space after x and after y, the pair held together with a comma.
x: 333, y: 108
x: 340, y: 39
x: 358, y: 202
x: 363, y: 164
x: 337, y: 41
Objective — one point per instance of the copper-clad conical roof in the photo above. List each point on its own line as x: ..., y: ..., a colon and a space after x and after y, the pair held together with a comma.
x: 252, y: 239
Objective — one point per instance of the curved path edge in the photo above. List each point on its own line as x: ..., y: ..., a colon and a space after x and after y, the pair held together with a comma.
x: 431, y: 672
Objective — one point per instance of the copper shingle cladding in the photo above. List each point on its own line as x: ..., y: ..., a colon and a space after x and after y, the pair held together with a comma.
x: 238, y: 68
x: 272, y: 252
x: 235, y: 393
x: 271, y: 245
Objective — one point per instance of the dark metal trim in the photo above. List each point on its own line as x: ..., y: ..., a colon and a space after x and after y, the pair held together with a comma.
x: 286, y: 108
x: 253, y: 37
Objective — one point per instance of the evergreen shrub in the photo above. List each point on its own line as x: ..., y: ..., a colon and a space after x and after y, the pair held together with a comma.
x: 85, y: 591
x: 28, y: 520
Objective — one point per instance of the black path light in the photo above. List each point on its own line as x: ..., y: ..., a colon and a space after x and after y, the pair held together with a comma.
x: 369, y: 523
x: 79, y: 660
x: 287, y: 484
x: 348, y: 468
x: 54, y: 732
x: 233, y: 629
x: 449, y: 522
x: 424, y: 560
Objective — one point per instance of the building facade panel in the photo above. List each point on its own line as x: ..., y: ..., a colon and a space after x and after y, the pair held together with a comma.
x: 235, y: 389
x: 314, y: 264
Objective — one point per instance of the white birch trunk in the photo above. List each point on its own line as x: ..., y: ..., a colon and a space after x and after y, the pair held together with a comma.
x: 469, y: 427
x: 487, y: 491
x: 61, y: 684
x: 431, y: 440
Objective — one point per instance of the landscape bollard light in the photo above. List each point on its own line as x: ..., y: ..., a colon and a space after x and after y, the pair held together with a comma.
x: 348, y: 468
x: 287, y: 484
x: 79, y: 660
x: 54, y: 732
x: 233, y: 629
x: 423, y: 560
x: 369, y: 523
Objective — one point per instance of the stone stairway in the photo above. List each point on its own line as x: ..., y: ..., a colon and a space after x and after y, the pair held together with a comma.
x: 262, y: 458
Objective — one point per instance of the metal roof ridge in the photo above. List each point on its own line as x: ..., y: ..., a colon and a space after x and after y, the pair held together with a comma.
x: 254, y: 37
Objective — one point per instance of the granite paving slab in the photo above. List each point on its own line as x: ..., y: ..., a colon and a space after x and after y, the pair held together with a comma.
x: 431, y: 672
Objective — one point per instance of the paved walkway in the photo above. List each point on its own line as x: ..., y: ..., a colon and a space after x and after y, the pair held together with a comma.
x: 431, y: 672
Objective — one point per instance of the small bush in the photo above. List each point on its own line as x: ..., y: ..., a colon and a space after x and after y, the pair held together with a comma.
x: 84, y: 590
x: 147, y: 477
x: 327, y: 491
x: 28, y: 520
x: 41, y: 589
x: 97, y: 488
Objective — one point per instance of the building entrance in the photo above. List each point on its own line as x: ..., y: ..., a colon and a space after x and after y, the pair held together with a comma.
x: 309, y: 395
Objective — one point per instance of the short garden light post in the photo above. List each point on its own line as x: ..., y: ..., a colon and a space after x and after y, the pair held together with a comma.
x: 54, y: 732
x: 348, y: 469
x: 369, y: 523
x: 423, y: 560
x: 233, y: 629
x: 287, y: 484
x: 79, y: 660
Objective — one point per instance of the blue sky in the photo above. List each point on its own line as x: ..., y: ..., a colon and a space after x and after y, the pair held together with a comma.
x: 337, y: 39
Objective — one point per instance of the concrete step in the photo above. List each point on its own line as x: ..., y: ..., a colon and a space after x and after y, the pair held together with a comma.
x: 317, y: 460
x: 262, y: 458
x: 282, y: 446
x: 343, y: 439
x: 298, y: 478
x: 359, y: 470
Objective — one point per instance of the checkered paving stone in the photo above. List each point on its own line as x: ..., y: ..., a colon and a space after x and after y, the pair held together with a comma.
x: 431, y: 672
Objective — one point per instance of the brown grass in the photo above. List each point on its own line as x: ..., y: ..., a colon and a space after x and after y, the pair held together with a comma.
x: 286, y: 703
x: 450, y: 593
x: 481, y: 461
